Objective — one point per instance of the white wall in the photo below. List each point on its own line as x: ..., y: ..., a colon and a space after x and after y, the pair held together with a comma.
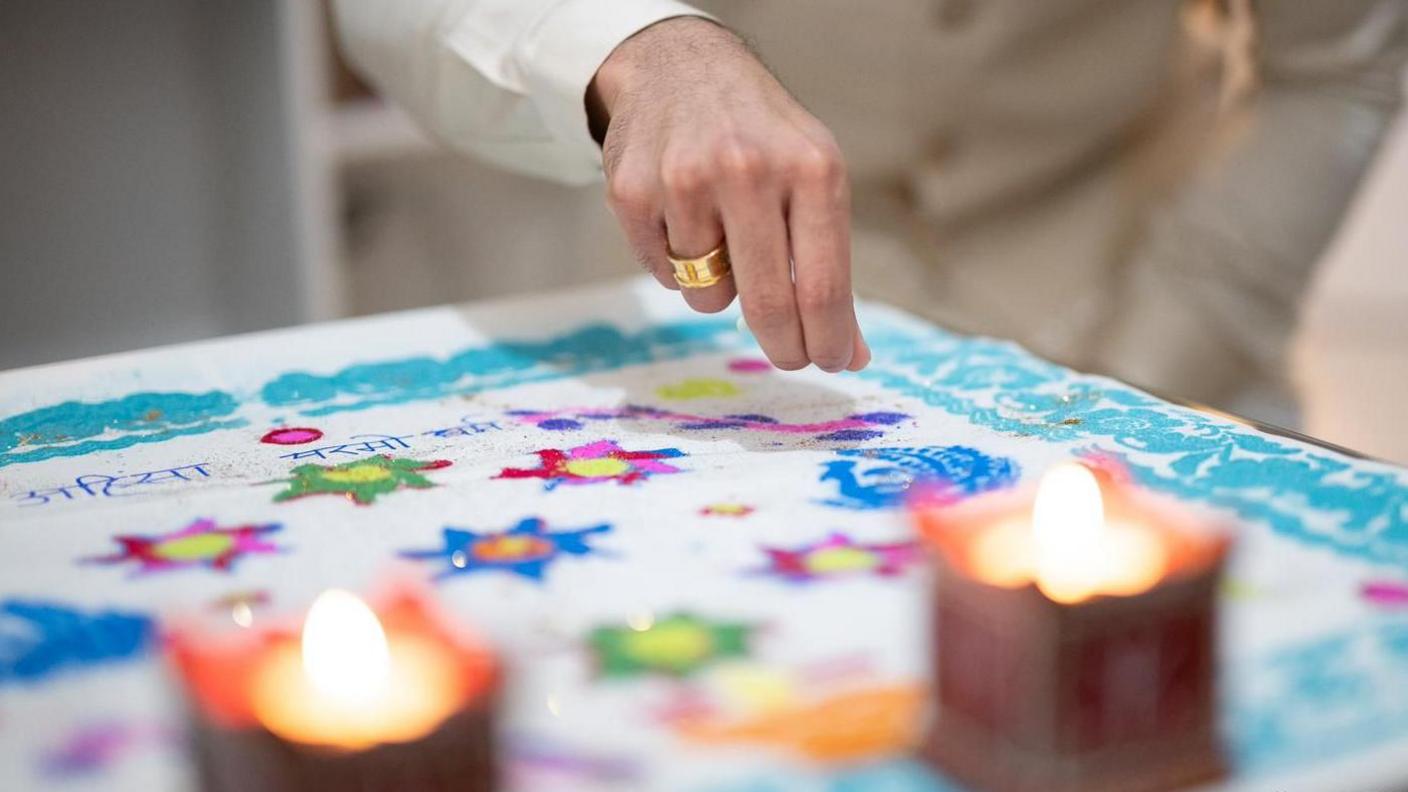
x: 1352, y: 355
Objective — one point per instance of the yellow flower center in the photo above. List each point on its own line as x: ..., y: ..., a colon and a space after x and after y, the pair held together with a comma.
x: 670, y: 645
x: 836, y: 560
x: 194, y: 548
x: 603, y: 467
x: 358, y: 474
x: 507, y: 548
x: 730, y: 509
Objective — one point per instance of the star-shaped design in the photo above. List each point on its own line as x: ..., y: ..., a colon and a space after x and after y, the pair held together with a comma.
x: 200, y: 544
x: 526, y: 549
x: 595, y: 463
x: 840, y: 556
x: 360, y: 481
x: 677, y: 645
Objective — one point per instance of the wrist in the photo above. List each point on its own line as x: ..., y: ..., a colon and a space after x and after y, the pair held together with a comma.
x: 645, y: 53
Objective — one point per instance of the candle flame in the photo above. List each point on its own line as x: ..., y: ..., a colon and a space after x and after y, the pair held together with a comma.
x: 345, y: 655
x: 1068, y: 527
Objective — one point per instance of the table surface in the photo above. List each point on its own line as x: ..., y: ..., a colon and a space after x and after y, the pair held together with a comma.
x: 722, y: 565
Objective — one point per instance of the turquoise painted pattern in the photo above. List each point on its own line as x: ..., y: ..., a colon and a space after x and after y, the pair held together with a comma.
x: 1316, y: 497
x: 1355, y: 508
x: 77, y: 428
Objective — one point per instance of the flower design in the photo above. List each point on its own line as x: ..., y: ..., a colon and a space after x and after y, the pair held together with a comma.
x: 200, y: 544
x: 526, y: 549
x: 677, y: 645
x: 595, y: 463
x: 860, y: 426
x: 841, y: 556
x: 360, y: 481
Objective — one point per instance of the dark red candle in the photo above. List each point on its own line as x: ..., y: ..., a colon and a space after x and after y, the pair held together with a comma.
x: 1080, y: 665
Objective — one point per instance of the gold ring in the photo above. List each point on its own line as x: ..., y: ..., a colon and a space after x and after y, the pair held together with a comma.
x: 704, y: 271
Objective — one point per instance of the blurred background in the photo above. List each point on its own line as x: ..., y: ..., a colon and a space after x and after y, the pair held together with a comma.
x: 175, y: 170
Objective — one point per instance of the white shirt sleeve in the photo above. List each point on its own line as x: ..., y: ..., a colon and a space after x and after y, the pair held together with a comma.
x: 505, y: 80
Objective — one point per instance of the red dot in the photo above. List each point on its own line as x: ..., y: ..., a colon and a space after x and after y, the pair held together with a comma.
x: 291, y: 435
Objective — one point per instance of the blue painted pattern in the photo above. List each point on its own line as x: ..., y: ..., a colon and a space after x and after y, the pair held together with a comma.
x: 881, y: 478
x: 39, y: 639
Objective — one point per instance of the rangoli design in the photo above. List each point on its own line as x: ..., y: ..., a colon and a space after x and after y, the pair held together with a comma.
x: 1320, y: 697
x: 595, y: 463
x: 881, y: 478
x: 203, y: 543
x: 677, y: 645
x: 527, y: 549
x: 841, y: 556
x: 361, y: 481
x: 862, y: 426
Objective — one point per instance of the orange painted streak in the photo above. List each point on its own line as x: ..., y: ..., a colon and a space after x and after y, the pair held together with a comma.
x: 862, y: 724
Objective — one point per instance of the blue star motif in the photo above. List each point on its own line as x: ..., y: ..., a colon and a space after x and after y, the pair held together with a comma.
x: 526, y: 549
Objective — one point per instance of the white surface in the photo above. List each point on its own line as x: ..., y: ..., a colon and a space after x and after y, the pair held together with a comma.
x: 660, y: 556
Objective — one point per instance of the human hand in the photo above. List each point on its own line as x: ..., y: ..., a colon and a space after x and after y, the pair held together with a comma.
x: 703, y: 145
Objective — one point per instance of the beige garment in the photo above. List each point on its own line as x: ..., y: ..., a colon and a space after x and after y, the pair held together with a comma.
x: 1043, y: 171
x: 1059, y: 172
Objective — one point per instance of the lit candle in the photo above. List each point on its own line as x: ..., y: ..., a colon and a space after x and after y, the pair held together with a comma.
x: 1073, y: 631
x: 1067, y: 548
x: 355, y: 697
x: 348, y: 685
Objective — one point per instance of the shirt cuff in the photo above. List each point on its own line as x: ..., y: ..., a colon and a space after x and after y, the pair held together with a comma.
x: 562, y: 53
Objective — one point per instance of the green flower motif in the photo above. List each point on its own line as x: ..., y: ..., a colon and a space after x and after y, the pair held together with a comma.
x: 677, y: 645
x: 360, y: 481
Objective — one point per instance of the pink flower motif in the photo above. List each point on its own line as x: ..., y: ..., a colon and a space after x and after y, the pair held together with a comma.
x: 595, y: 463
